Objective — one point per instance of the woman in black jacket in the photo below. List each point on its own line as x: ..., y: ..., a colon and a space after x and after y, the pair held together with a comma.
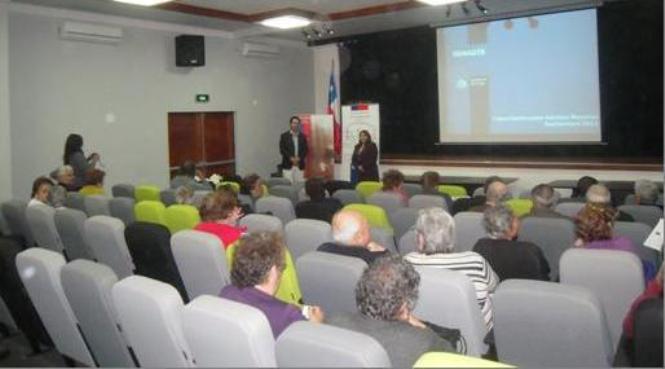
x: 364, y: 158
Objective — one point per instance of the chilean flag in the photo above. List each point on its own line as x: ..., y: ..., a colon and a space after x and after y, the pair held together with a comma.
x: 332, y: 110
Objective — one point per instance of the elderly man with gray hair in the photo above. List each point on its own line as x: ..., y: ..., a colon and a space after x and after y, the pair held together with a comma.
x: 507, y: 256
x: 496, y: 193
x: 544, y: 199
x: 351, y: 233
x: 598, y: 194
x: 646, y: 192
x: 64, y: 182
x: 435, y: 234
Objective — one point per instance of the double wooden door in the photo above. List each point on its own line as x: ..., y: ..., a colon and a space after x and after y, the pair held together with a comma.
x: 207, y: 138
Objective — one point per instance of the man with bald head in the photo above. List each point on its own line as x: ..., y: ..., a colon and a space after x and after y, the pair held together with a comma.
x: 496, y: 193
x: 350, y: 231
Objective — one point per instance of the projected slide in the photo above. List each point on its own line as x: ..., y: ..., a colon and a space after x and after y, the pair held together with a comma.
x: 529, y: 79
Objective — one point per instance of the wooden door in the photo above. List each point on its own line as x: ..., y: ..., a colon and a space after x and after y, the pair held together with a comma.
x: 205, y: 138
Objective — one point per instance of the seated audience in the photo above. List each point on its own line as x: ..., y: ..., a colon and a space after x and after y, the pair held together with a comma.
x: 64, y: 183
x: 94, y: 183
x: 435, y: 235
x: 252, y: 185
x: 352, y: 237
x: 580, y: 190
x: 599, y: 194
x: 219, y: 215
x: 497, y: 192
x: 646, y: 192
x: 184, y: 195
x: 464, y: 203
x: 41, y: 188
x: 392, y: 183
x: 430, y: 182
x: 187, y: 177
x: 508, y: 257
x: 255, y: 275
x: 318, y: 206
x: 544, y: 200
x: 386, y: 295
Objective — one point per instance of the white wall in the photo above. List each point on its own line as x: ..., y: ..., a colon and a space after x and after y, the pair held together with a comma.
x: 5, y: 148
x: 60, y: 86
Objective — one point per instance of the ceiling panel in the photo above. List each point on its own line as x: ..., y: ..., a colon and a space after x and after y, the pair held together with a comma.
x: 259, y: 6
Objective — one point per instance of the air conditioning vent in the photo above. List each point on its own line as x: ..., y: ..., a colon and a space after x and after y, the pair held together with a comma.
x: 90, y: 32
x: 252, y: 50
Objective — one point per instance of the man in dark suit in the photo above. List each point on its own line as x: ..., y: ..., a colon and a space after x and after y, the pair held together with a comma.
x: 293, y: 147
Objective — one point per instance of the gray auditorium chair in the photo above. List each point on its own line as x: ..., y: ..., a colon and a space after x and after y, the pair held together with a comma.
x: 448, y: 299
x: 167, y: 197
x: 546, y: 324
x: 383, y: 238
x: 96, y: 205
x: 277, y: 181
x: 246, y: 200
x: 302, y: 195
x: 286, y: 191
x: 408, y: 243
x: 75, y: 200
x: 390, y: 202
x: 311, y: 345
x: 40, y: 272
x: 70, y: 224
x: 201, y: 261
x: 348, y: 196
x: 552, y: 235
x: 647, y: 214
x: 630, y: 200
x: 615, y: 277
x: 151, y: 316
x: 468, y: 230
x: 41, y: 221
x: 412, y: 189
x: 304, y: 235
x: 106, y: 238
x: 262, y: 223
x: 569, y: 209
x: 14, y: 213
x: 280, y: 207
x: 329, y: 280
x: 403, y: 220
x: 638, y: 233
x: 87, y: 286
x: 123, y: 190
x: 427, y: 201
x: 123, y: 209
x: 225, y: 333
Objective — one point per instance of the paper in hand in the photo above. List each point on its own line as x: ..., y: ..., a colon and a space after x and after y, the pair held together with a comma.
x: 655, y: 239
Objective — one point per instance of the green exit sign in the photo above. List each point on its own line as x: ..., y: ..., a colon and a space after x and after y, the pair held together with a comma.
x: 202, y: 98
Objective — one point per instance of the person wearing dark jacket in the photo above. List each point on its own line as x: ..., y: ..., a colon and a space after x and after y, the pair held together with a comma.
x: 364, y: 158
x: 318, y: 206
x: 293, y: 148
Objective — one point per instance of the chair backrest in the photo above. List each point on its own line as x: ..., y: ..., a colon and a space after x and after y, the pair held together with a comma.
x: 225, y: 333
x: 181, y: 217
x: 598, y: 269
x: 311, y: 345
x: 13, y: 211
x: 453, y: 190
x: 70, y: 224
x: 201, y: 261
x: 552, y: 235
x: 302, y: 195
x: 40, y: 272
x: 347, y: 196
x: 638, y: 233
x: 42, y: 224
x: 408, y: 243
x: 450, y: 360
x: 75, y: 200
x: 468, y: 230
x: 520, y: 207
x: 383, y: 237
x: 630, y: 199
x: 150, y: 211
x: 92, y: 190
x: 648, y: 334
x: 277, y: 206
x: 390, y: 202
x: 123, y: 209
x: 376, y: 216
x: 234, y: 185
x: 123, y: 190
x: 96, y: 205
x: 146, y: 193
x: 150, y: 247
x: 246, y: 200
x: 412, y: 189
x: 304, y: 235
x: 286, y: 191
x: 448, y: 299
x: 87, y: 286
x: 262, y: 223
x: 150, y: 312
x: 167, y: 196
x: 276, y: 181
x: 106, y: 238
x: 569, y: 209
x: 647, y: 214
x: 329, y: 280
x: 539, y: 323
x: 367, y: 188
x: 403, y: 219
x: 427, y: 201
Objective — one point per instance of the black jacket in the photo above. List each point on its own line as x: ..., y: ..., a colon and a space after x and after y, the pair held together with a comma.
x: 287, y: 150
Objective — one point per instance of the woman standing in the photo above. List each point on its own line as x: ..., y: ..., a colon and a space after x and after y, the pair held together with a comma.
x: 76, y: 159
x: 364, y: 157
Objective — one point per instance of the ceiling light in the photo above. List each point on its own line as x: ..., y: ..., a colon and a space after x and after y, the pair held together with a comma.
x: 286, y: 22
x: 440, y: 2
x: 143, y: 2
x: 481, y: 8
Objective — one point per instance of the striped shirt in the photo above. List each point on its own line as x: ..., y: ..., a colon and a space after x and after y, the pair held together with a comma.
x: 474, y: 266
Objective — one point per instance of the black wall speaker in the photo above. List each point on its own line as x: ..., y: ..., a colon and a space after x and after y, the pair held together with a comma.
x: 190, y: 51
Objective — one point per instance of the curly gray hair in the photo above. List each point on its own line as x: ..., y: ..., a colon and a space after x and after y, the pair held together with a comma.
x: 497, y: 220
x: 647, y: 191
x: 385, y: 287
x: 437, y: 229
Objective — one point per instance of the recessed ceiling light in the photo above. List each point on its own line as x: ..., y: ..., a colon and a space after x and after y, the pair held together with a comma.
x: 143, y: 2
x: 286, y: 22
x: 440, y: 2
